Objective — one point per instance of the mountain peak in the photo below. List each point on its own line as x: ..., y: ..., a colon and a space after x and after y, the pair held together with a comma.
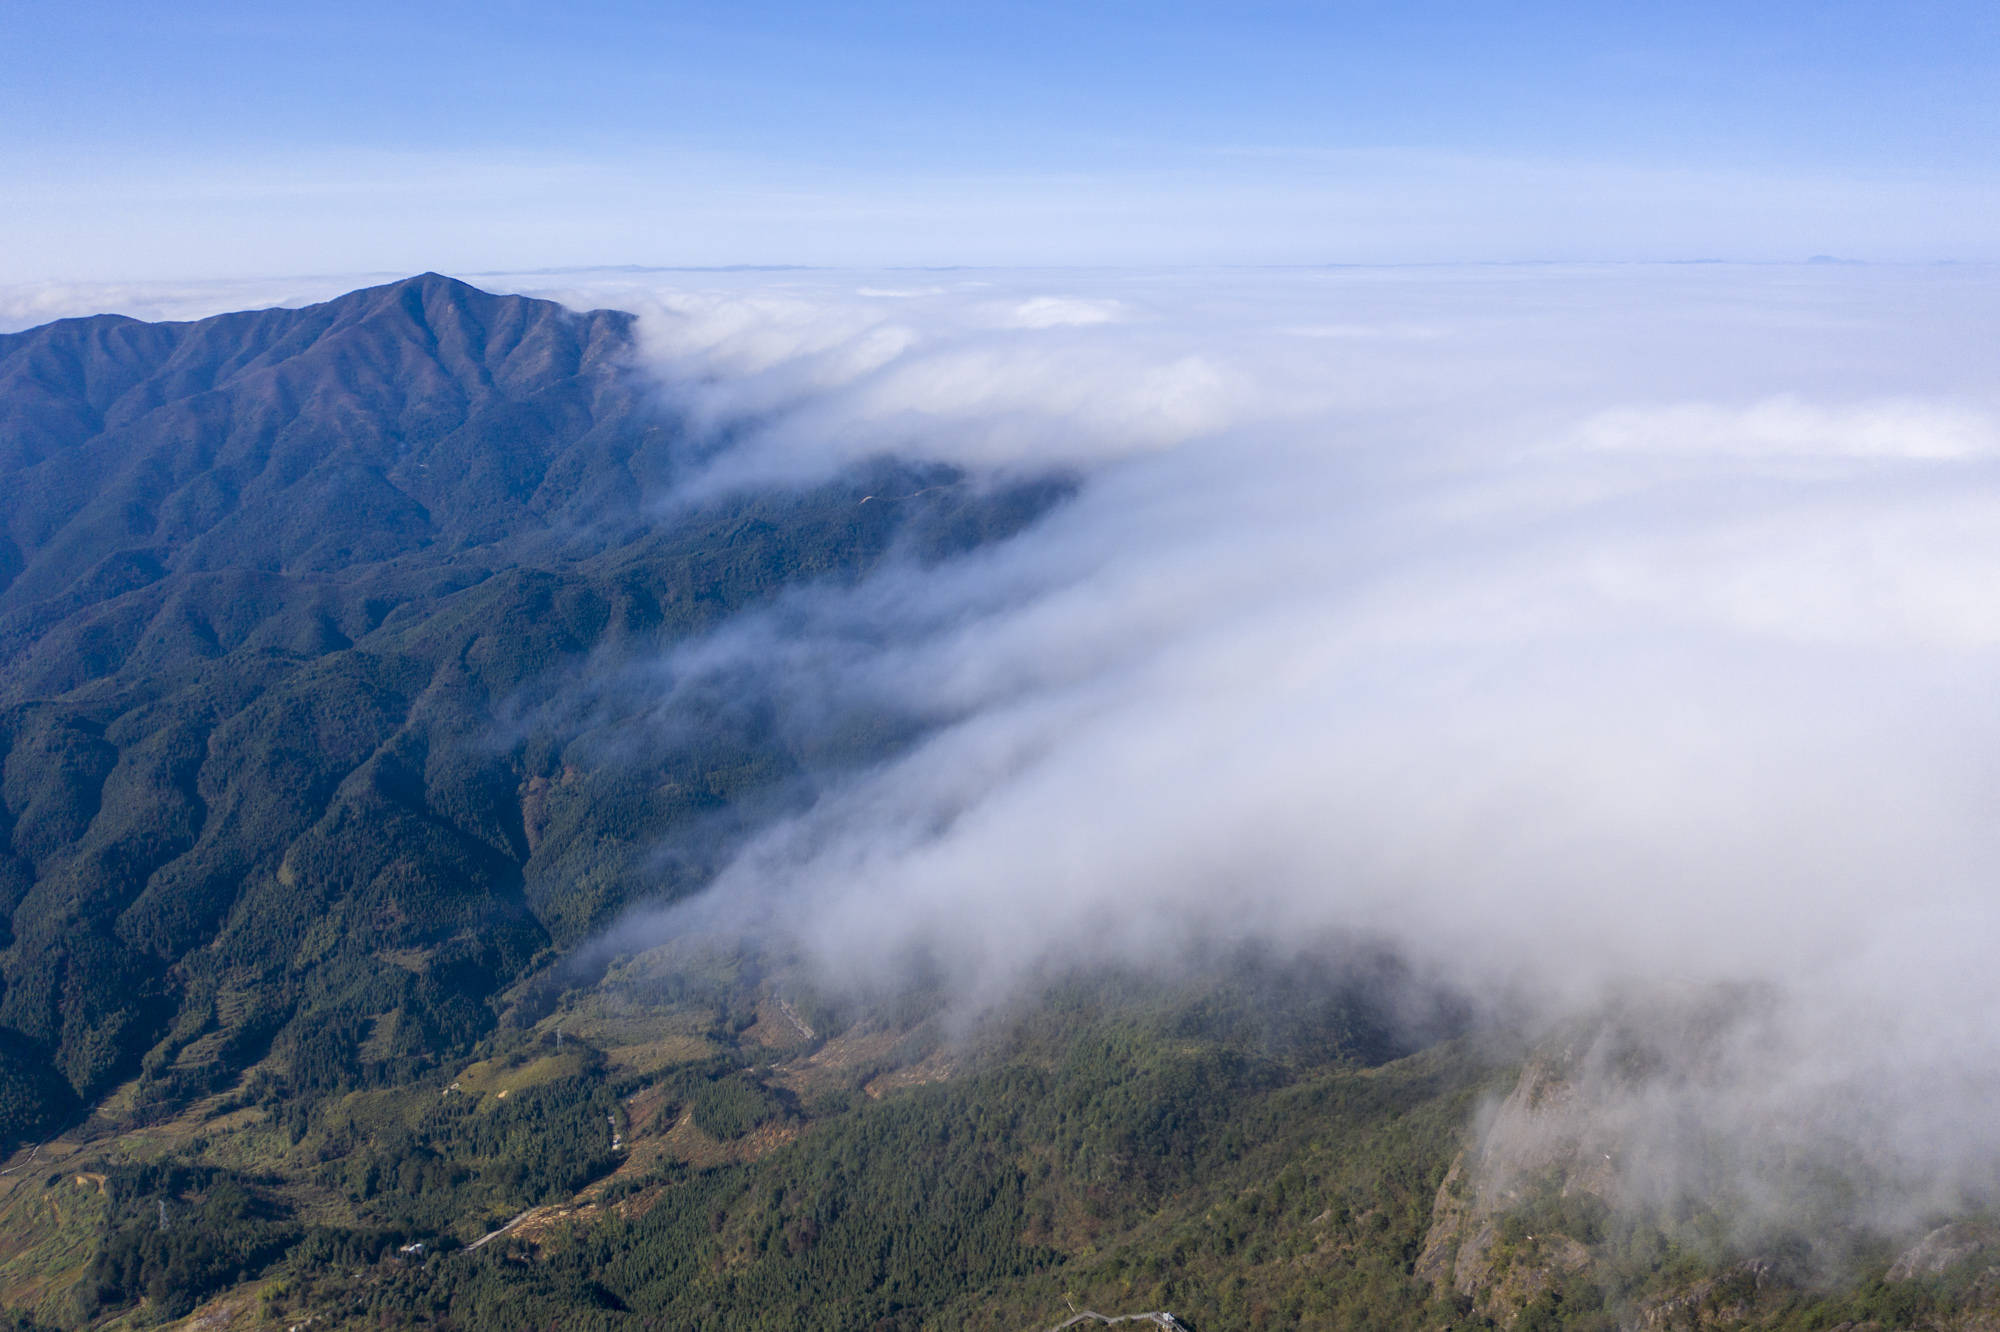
x: 416, y: 411
x: 434, y: 305
x: 432, y: 284
x: 426, y: 295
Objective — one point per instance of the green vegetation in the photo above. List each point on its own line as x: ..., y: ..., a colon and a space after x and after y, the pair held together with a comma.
x: 178, y: 1233
x: 470, y: 1156
x: 1125, y: 1142
x: 326, y: 636
x: 1107, y: 1143
x: 729, y: 1107
x: 318, y: 631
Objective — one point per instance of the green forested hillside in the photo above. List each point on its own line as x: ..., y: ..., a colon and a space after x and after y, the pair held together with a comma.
x: 271, y: 582
x: 686, y: 1156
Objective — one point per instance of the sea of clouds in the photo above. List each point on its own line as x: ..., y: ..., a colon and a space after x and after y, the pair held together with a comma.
x: 1641, y: 619
x: 1589, y: 636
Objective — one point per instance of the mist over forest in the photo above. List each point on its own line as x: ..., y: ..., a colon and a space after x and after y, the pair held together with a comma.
x: 1434, y: 796
x: 1581, y: 636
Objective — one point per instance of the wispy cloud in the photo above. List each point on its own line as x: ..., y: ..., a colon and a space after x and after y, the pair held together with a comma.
x: 1596, y: 643
x: 1586, y: 635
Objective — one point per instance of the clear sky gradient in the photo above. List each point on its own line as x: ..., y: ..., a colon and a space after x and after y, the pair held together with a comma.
x: 229, y: 140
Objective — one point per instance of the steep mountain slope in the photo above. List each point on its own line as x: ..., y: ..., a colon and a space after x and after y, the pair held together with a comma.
x: 270, y: 580
x: 332, y: 720
x: 298, y: 442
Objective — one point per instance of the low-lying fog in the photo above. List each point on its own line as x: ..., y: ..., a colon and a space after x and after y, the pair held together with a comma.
x: 1586, y: 635
x: 1583, y: 634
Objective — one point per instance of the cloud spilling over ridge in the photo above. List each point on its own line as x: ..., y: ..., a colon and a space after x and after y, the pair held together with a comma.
x: 1588, y: 636
x: 1580, y: 634
x: 1361, y: 615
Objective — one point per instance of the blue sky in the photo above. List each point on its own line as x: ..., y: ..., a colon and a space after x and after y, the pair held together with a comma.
x: 224, y: 139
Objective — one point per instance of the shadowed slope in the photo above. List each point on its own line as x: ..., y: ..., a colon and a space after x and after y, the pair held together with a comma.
x: 421, y: 415
x: 267, y: 578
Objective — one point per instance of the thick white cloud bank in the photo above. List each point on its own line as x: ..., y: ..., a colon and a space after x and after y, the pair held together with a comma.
x: 1590, y: 624
x: 1580, y: 633
x: 1584, y: 634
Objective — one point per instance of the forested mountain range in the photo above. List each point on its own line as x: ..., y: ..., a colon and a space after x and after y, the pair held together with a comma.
x: 267, y: 578
x: 323, y: 648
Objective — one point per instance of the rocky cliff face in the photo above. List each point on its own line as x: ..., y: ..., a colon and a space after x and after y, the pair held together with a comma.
x: 1575, y: 1205
x: 1541, y: 1143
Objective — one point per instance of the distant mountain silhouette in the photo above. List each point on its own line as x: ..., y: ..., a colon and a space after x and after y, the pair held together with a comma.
x: 265, y: 580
